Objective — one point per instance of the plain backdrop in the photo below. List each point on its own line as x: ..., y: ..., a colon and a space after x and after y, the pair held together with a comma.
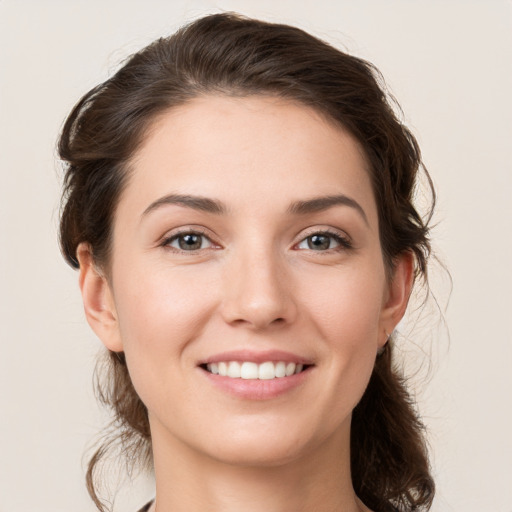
x: 448, y: 63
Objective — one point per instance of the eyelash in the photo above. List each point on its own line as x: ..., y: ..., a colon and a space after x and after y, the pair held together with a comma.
x: 343, y: 242
x: 166, y: 242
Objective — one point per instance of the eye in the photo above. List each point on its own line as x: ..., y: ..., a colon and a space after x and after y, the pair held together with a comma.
x: 189, y: 241
x: 324, y: 241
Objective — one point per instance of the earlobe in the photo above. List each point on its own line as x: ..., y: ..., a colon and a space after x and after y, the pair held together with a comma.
x: 397, y: 296
x: 98, y: 300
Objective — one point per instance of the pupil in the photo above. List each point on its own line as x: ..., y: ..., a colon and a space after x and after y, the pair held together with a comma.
x: 317, y: 242
x: 188, y: 242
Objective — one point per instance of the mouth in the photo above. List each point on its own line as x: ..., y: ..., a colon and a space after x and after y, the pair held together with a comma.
x: 257, y: 375
x: 249, y: 370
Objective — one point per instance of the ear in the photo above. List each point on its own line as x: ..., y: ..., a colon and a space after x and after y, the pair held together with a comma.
x: 397, y: 295
x: 98, y: 300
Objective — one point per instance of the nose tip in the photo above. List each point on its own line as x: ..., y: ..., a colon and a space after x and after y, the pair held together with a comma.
x: 258, y: 296
x: 256, y: 315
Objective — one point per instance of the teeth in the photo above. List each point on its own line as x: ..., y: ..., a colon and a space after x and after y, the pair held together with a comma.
x: 248, y: 370
x: 266, y: 371
x: 280, y: 369
x: 290, y: 369
x: 223, y: 369
x: 234, y: 370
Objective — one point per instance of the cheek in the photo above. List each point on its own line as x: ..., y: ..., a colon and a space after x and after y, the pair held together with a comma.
x: 160, y: 314
x: 348, y: 320
x: 346, y: 304
x: 161, y: 309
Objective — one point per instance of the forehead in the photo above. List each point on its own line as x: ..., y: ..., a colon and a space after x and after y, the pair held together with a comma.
x: 246, y: 152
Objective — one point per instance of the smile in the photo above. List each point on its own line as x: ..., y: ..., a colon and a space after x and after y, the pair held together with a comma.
x: 257, y: 375
x: 249, y: 370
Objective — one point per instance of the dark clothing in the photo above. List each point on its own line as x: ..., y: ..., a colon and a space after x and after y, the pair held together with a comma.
x: 145, y: 508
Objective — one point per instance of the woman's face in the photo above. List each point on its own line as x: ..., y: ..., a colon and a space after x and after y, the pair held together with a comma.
x: 247, y: 242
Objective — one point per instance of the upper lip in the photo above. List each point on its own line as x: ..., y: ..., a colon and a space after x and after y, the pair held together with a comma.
x: 257, y: 357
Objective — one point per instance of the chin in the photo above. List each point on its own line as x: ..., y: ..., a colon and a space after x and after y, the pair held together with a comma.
x: 271, y: 446
x: 264, y: 454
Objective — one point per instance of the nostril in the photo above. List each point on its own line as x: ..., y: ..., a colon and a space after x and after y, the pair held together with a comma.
x: 258, y: 308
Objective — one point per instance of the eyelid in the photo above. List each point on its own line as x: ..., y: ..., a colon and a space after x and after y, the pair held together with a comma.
x: 186, y: 230
x: 344, y: 240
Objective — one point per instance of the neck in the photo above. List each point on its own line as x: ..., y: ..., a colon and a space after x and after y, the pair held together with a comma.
x: 188, y: 481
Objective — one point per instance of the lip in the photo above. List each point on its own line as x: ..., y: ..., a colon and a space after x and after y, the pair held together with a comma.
x: 256, y: 389
x: 257, y: 357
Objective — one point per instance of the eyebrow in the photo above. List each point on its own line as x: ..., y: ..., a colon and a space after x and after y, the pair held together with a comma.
x: 206, y: 204
x: 318, y: 204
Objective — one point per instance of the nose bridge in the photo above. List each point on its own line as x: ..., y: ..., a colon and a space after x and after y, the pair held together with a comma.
x: 257, y: 287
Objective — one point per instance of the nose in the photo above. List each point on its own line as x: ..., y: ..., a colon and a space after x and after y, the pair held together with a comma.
x: 258, y: 291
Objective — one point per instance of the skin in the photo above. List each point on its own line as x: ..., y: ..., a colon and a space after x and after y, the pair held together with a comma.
x: 254, y: 284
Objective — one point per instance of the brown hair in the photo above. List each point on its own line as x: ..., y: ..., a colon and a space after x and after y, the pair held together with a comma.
x: 231, y: 55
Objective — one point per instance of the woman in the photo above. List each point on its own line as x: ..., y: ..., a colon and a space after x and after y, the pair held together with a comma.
x: 238, y: 201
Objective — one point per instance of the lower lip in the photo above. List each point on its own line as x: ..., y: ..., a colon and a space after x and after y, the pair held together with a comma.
x: 256, y: 389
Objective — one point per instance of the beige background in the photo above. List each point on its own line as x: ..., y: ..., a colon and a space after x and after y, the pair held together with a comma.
x: 448, y: 63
